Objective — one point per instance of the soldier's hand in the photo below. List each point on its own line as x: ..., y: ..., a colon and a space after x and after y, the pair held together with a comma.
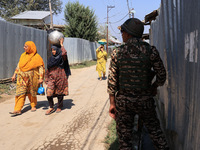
x: 112, y: 111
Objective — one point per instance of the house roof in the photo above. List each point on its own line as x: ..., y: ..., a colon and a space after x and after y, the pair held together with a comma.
x: 38, y: 15
x: 114, y: 40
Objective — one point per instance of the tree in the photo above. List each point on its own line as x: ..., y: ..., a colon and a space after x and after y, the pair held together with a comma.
x: 81, y: 21
x: 9, y: 8
x: 102, y: 32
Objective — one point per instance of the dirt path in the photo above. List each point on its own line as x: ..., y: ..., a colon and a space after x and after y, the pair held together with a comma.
x: 82, y: 125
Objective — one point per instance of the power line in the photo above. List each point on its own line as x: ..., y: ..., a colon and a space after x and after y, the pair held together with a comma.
x: 120, y: 19
x: 113, y: 15
x: 113, y: 29
x: 117, y: 34
x: 102, y: 23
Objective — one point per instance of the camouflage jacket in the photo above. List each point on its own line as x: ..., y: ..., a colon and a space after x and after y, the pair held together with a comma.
x: 133, y: 66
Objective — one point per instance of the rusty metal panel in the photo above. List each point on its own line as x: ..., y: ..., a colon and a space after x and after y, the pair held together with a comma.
x: 175, y: 33
x: 12, y: 39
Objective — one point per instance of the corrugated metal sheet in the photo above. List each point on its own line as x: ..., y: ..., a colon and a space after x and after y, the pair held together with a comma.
x: 176, y: 35
x: 80, y: 50
x: 32, y: 15
x: 12, y: 39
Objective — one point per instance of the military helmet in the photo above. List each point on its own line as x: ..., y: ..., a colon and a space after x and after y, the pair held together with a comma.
x: 134, y: 27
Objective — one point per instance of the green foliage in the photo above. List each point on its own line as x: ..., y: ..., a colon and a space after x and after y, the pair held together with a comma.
x: 9, y: 8
x: 7, y: 88
x: 102, y: 32
x: 81, y: 21
x: 111, y: 139
x: 83, y: 64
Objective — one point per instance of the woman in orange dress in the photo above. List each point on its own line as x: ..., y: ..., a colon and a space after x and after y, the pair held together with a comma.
x: 30, y: 73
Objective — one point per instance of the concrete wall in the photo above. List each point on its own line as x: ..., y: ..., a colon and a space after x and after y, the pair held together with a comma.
x: 175, y: 33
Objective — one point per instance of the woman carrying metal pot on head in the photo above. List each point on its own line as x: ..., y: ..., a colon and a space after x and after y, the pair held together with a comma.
x: 56, y: 77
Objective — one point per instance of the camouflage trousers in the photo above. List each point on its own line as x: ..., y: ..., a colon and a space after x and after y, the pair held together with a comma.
x: 127, y: 107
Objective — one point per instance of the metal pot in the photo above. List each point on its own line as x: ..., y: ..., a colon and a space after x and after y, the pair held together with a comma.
x: 54, y: 37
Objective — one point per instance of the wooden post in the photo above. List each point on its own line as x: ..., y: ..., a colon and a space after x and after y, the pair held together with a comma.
x: 51, y: 25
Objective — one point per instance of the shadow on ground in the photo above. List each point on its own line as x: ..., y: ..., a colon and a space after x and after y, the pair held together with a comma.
x: 67, y: 104
x: 114, y: 145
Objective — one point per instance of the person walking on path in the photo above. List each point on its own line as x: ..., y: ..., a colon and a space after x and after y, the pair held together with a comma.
x: 30, y: 73
x: 56, y: 77
x: 101, y: 61
x: 132, y: 68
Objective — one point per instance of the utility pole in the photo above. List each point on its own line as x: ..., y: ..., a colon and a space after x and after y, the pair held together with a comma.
x: 107, y: 24
x: 51, y: 25
x: 129, y: 12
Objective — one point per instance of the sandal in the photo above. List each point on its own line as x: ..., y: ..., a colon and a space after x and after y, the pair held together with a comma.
x: 11, y: 113
x: 58, y: 110
x: 50, y: 111
x: 15, y: 114
x: 33, y: 109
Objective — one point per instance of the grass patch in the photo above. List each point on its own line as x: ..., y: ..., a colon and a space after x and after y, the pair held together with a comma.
x: 4, y: 88
x: 111, y: 139
x: 7, y: 89
x: 83, y: 64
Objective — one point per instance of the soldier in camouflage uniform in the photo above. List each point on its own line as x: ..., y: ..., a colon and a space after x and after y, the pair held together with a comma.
x: 132, y: 68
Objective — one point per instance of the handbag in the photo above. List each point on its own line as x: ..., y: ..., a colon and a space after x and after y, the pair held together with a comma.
x: 41, y: 90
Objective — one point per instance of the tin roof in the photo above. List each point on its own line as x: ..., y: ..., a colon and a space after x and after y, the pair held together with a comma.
x: 39, y: 15
x: 114, y: 40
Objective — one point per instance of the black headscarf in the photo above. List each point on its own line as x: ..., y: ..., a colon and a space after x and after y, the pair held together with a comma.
x: 55, y: 60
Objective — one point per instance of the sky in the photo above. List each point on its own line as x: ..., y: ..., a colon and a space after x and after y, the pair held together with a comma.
x: 117, y: 15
